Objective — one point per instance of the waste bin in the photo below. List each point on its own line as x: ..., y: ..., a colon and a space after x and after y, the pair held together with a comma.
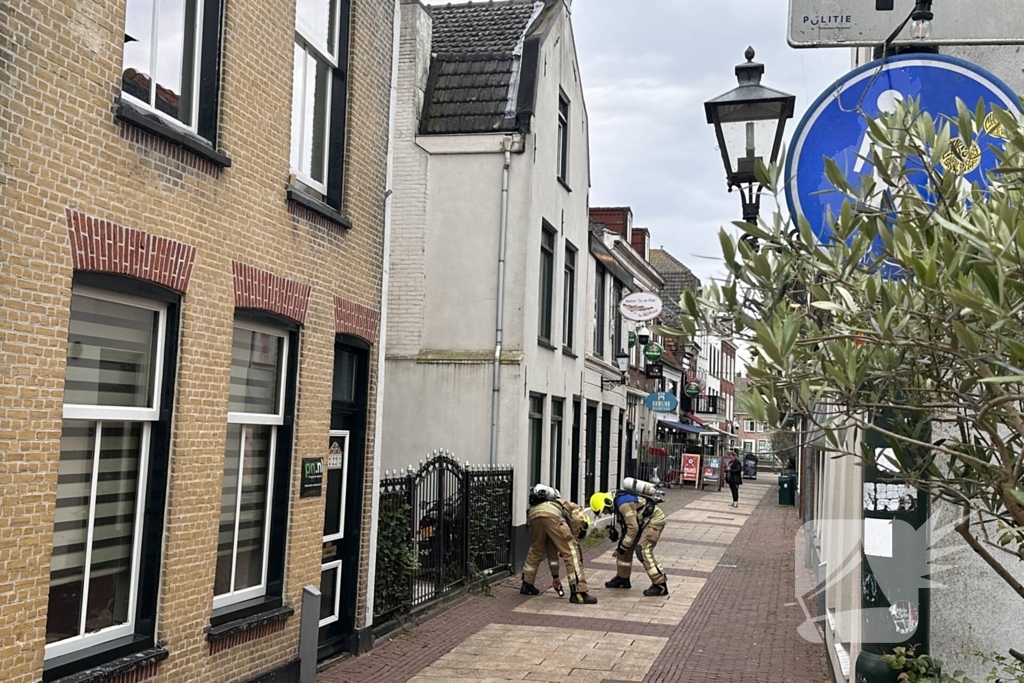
x: 787, y: 489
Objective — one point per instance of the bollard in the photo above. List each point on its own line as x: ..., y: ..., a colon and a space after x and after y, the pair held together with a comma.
x: 309, y: 634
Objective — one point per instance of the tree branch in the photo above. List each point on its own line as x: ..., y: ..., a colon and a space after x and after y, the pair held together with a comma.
x: 964, y: 529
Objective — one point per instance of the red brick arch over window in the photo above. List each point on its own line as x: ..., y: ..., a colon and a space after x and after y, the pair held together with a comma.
x: 359, y: 321
x: 259, y: 289
x: 101, y: 246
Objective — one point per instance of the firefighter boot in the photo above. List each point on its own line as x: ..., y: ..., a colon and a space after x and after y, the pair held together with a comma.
x: 657, y: 589
x: 582, y: 598
x: 618, y: 582
x: 528, y: 589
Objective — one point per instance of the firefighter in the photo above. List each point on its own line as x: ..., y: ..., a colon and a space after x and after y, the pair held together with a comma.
x: 641, y: 522
x: 549, y: 526
x: 579, y: 523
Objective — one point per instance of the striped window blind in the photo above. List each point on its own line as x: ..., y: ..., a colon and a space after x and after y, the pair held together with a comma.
x: 254, y: 414
x: 112, y: 354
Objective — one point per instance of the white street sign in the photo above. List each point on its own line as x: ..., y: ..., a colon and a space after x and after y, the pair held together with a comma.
x: 857, y: 23
x: 640, y: 307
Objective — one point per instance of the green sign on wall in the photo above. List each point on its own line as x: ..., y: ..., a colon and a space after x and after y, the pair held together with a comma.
x: 653, y: 352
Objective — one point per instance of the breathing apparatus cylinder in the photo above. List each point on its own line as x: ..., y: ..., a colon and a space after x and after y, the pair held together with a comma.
x: 642, y: 488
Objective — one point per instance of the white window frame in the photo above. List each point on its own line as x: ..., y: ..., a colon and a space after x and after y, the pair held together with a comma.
x: 233, y: 596
x: 749, y: 426
x: 198, y: 60
x: 99, y: 415
x: 320, y: 51
x: 336, y: 564
x: 563, y: 137
x: 760, y: 426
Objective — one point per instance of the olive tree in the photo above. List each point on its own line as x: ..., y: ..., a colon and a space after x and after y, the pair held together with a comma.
x: 912, y: 309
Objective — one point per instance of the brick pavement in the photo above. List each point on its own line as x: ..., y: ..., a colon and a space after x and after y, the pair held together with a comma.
x: 719, y: 624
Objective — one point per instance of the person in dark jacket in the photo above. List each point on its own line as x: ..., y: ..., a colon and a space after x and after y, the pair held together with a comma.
x: 734, y: 477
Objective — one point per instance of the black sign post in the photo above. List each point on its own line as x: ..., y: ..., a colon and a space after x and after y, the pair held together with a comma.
x: 312, y: 477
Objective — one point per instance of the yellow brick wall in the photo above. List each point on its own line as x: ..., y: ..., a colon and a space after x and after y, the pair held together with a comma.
x: 60, y: 65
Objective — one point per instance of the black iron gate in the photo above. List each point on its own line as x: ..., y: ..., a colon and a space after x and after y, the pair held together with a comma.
x: 440, y: 527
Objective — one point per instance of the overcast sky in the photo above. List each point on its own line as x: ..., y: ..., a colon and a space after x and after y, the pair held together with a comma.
x: 647, y: 69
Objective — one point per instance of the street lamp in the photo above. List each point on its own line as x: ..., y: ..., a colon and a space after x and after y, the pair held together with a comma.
x: 622, y: 363
x: 749, y: 121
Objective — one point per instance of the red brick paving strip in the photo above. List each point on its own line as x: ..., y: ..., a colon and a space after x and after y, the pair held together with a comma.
x: 739, y: 628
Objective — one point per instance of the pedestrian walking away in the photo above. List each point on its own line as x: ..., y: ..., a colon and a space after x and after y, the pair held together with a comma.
x: 734, y: 477
x: 640, y: 523
x: 550, y: 521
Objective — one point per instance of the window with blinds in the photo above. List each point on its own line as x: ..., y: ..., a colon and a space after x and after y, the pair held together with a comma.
x: 255, y: 411
x: 111, y: 400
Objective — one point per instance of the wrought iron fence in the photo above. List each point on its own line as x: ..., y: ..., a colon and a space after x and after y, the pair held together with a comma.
x: 440, y: 526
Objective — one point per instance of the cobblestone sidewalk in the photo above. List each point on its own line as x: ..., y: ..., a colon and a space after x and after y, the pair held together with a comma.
x: 730, y: 616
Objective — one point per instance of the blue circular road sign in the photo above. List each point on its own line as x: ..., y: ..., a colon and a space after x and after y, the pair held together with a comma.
x: 835, y: 126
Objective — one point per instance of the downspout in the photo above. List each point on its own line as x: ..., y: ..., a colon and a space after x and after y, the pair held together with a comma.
x: 506, y: 146
x: 378, y: 428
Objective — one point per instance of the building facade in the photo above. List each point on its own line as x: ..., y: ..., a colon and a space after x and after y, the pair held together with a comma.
x: 193, y: 228
x: 488, y: 324
x: 619, y: 267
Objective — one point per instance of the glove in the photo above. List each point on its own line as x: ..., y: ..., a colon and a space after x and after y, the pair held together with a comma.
x: 613, y: 534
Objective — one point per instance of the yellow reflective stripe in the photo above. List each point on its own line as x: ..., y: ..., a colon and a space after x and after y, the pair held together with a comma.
x: 623, y: 563
x: 629, y: 513
x: 658, y: 517
x: 528, y: 569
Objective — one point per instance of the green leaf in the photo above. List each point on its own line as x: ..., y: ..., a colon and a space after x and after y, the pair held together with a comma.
x: 1005, y: 379
x: 966, y: 336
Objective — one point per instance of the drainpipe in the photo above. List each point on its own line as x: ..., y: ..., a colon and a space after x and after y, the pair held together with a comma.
x: 378, y: 428
x: 506, y: 145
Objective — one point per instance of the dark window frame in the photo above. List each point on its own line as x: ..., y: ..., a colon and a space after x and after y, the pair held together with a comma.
x: 277, y: 543
x: 563, y: 136
x: 536, y: 444
x: 207, y: 86
x: 556, y: 442
x: 600, y: 323
x: 336, y: 130
x: 153, y: 514
x: 569, y: 298
x: 546, y: 284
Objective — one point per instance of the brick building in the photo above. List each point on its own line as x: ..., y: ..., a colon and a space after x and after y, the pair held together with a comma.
x: 185, y: 267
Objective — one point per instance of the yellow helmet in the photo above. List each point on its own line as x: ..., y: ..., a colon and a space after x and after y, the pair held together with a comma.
x: 600, y: 501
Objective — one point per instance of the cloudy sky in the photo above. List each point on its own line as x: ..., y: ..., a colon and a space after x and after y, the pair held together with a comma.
x: 648, y: 66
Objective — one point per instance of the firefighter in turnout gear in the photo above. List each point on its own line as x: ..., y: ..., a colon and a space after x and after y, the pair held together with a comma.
x: 550, y: 521
x: 578, y: 523
x: 641, y: 522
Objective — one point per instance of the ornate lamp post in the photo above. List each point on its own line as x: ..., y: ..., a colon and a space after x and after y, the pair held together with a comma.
x: 749, y: 121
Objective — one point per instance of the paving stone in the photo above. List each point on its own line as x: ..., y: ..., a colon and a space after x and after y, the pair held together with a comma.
x: 741, y: 591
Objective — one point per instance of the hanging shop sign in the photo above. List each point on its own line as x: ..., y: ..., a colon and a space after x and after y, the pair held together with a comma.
x: 632, y: 339
x: 692, y: 389
x: 640, y: 307
x: 654, y: 371
x: 653, y: 352
x: 661, y: 402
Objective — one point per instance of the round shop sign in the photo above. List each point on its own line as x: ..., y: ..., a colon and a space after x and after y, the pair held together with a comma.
x: 692, y: 389
x: 661, y: 402
x: 640, y: 307
x: 632, y: 339
x: 653, y: 352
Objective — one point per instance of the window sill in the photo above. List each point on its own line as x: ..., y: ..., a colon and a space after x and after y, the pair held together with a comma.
x: 566, y: 351
x: 129, y: 654
x: 153, y: 124
x: 230, y: 628
x: 565, y: 184
x: 319, y: 208
x: 546, y: 344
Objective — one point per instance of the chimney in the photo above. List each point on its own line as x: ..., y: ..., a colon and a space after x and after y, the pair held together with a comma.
x: 618, y: 220
x: 641, y: 241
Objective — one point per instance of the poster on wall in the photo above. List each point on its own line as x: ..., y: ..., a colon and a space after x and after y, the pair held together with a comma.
x: 691, y: 467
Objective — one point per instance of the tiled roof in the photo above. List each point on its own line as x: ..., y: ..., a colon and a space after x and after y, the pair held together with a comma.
x: 472, y: 67
x: 479, y: 26
x: 677, y: 278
